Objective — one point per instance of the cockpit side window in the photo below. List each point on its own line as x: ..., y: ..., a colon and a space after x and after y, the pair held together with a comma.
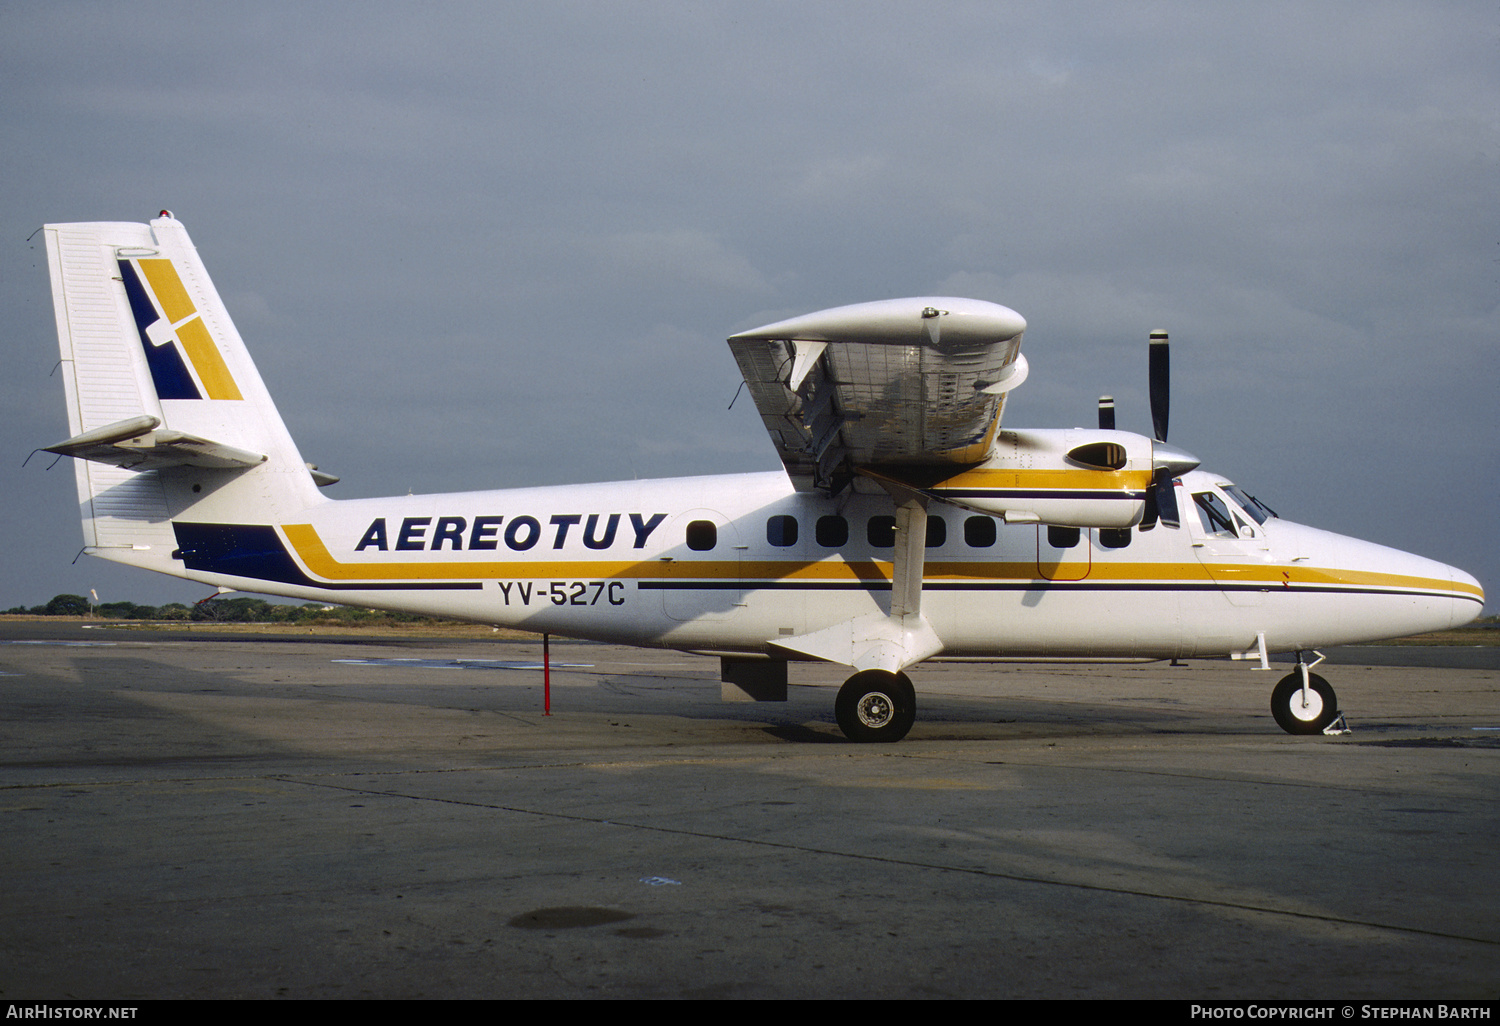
x: 1215, y: 515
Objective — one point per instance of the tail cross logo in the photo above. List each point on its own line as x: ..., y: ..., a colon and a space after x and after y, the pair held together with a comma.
x: 176, y: 319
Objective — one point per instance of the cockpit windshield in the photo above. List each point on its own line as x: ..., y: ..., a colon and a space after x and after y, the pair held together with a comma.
x: 1249, y: 503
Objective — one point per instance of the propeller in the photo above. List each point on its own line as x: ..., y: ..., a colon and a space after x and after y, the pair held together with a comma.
x: 1166, y: 464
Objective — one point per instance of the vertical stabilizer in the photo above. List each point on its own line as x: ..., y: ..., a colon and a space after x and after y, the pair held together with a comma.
x: 167, y: 415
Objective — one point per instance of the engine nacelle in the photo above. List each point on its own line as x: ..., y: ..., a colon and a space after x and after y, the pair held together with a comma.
x: 1079, y: 477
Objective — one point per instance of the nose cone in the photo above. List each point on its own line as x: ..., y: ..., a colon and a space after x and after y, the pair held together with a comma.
x: 1370, y: 592
x: 1467, y: 608
x: 1423, y: 594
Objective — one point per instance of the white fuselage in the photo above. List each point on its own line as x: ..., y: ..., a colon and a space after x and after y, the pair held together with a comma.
x: 636, y: 562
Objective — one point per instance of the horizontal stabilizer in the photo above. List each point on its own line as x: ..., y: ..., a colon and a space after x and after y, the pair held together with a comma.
x: 137, y: 444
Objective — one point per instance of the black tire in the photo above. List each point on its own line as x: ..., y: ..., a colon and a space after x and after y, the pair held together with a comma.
x: 1286, y: 704
x: 876, y: 705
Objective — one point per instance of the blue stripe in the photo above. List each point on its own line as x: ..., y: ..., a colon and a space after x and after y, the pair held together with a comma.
x: 256, y: 552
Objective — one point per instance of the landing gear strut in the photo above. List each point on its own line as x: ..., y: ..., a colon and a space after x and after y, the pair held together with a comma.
x: 1303, y: 711
x: 876, y: 705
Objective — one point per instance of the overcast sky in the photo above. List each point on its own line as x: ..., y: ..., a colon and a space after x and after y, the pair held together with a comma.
x: 484, y: 245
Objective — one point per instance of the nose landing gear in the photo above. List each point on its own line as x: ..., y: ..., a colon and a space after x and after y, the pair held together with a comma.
x: 1303, y: 702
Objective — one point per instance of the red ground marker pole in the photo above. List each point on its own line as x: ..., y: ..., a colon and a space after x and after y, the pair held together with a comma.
x: 546, y: 676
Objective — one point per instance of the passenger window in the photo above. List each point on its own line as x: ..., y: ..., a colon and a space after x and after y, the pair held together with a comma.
x: 1114, y: 537
x: 979, y: 532
x: 881, y: 532
x: 937, y: 531
x: 702, y: 535
x: 1063, y: 537
x: 782, y: 531
x: 831, y: 532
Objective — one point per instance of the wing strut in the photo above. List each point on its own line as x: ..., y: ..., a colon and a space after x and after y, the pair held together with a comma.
x: 910, y: 556
x: 884, y: 641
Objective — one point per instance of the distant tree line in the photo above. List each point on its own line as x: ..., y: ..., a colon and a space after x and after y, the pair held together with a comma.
x: 223, y: 610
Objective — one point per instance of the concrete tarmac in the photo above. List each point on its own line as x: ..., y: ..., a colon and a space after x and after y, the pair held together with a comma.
x: 207, y: 815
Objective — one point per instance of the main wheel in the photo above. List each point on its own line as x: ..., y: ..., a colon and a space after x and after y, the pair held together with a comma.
x: 1294, y: 715
x: 876, y: 705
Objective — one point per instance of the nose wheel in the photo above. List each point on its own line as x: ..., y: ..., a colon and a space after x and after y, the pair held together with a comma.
x: 1297, y: 712
x: 876, y: 705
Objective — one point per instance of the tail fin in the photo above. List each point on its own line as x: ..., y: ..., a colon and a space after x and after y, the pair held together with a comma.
x: 168, y: 417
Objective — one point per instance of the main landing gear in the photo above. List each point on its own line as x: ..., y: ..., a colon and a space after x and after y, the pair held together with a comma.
x: 876, y: 705
x: 1304, y: 710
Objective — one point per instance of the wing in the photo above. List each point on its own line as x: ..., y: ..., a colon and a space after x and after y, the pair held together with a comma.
x: 901, y: 383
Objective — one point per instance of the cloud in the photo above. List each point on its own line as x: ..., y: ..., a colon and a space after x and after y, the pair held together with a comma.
x: 527, y: 229
x: 692, y: 257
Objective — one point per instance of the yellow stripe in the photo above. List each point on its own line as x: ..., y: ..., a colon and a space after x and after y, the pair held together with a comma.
x: 784, y: 570
x: 315, y: 556
x: 1239, y: 573
x: 207, y: 360
x: 168, y: 288
x: 1082, y: 479
x: 1103, y: 572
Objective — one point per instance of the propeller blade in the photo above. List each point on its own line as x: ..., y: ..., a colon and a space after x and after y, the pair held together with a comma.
x: 1152, y: 512
x: 1159, y: 369
x: 1164, y: 492
x: 1106, y: 413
